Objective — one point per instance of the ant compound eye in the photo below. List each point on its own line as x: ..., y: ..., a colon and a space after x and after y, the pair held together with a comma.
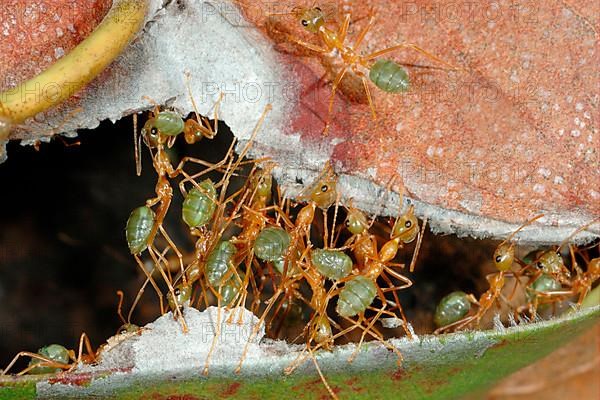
x: 304, y: 22
x: 408, y: 224
x: 539, y: 265
x: 347, y: 222
x: 318, y: 9
x: 177, y: 292
x: 324, y: 188
x: 498, y: 259
x: 154, y: 131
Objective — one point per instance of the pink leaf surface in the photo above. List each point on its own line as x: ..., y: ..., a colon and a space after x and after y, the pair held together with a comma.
x: 513, y: 134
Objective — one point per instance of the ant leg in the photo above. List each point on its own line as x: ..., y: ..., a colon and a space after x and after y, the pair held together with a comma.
x: 261, y: 321
x: 344, y: 29
x: 336, y: 83
x: 46, y: 362
x: 363, y: 33
x: 289, y: 300
x: 301, y: 358
x: 361, y: 318
x: 215, y: 337
x: 192, y: 178
x: 331, y: 392
x: 203, y: 296
x: 379, y: 337
x: 409, y: 46
x: 203, y: 123
x: 393, y: 289
x: 305, y: 44
x: 152, y: 281
x: 369, y: 98
x: 16, y: 358
x: 407, y: 282
x: 120, y: 305
x: 177, y: 310
x: 177, y: 252
x: 583, y: 294
x: 84, y: 339
x: 137, y: 147
x: 413, y: 261
x: 137, y: 299
x: 458, y: 324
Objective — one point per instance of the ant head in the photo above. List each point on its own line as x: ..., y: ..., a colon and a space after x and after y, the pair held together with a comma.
x: 406, y: 226
x: 127, y: 328
x: 150, y: 133
x: 356, y: 221
x: 324, y: 192
x: 504, y: 256
x: 182, y: 293
x: 322, y: 329
x: 311, y: 18
x: 550, y: 262
x: 263, y: 182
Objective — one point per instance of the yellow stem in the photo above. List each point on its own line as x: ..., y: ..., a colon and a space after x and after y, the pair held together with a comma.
x: 76, y: 69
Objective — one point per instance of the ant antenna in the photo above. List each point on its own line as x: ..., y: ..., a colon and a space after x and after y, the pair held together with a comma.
x: 578, y: 230
x: 512, y: 235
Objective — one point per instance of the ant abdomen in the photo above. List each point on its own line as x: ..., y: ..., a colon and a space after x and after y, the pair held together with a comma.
x: 357, y: 294
x: 452, y: 308
x: 138, y: 228
x: 271, y: 244
x: 219, y: 262
x: 199, y: 205
x: 168, y: 123
x: 389, y: 76
x: 54, y: 352
x: 333, y: 264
